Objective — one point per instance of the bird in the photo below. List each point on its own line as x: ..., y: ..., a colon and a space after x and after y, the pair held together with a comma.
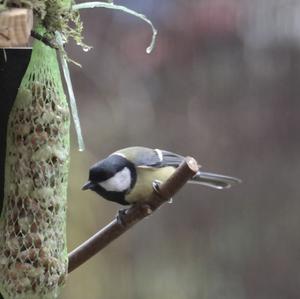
x: 127, y: 176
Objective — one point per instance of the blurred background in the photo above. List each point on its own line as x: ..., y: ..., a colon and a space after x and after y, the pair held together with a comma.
x: 223, y: 86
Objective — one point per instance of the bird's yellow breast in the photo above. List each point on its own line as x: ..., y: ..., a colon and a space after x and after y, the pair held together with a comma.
x: 145, y: 177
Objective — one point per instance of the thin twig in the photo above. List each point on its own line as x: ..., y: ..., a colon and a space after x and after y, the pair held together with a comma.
x: 133, y: 215
x: 44, y: 39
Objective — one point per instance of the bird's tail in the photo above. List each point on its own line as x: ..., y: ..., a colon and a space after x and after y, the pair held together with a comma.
x: 213, y: 180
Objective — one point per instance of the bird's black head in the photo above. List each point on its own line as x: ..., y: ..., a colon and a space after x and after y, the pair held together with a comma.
x: 112, y: 178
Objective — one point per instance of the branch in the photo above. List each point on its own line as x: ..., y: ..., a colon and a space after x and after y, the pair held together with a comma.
x: 134, y: 214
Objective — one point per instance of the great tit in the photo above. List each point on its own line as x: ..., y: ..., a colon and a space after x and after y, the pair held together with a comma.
x: 127, y: 175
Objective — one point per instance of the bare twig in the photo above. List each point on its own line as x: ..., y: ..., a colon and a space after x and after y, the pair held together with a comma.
x: 133, y: 215
x: 44, y: 40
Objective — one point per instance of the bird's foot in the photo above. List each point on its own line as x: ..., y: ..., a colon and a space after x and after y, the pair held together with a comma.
x: 156, y: 184
x: 120, y: 216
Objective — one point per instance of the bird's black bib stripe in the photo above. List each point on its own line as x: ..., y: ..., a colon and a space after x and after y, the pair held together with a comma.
x: 118, y: 197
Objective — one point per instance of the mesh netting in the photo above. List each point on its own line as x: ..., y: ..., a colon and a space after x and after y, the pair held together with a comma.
x: 33, y: 255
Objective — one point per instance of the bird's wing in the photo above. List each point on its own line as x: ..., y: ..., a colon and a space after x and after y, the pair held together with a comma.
x: 170, y: 159
x: 147, y: 157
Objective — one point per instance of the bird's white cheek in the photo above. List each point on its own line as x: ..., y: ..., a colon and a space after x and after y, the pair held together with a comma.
x: 119, y: 182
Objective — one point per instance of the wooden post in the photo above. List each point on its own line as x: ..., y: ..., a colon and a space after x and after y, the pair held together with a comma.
x: 15, y: 27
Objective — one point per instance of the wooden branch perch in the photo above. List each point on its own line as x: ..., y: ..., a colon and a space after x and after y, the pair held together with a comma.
x: 134, y: 214
x: 15, y: 27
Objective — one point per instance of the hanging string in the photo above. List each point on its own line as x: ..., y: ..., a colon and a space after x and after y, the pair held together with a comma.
x: 65, y: 68
x: 113, y: 6
x: 73, y: 105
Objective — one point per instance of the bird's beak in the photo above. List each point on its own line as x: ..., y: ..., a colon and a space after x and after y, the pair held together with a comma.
x: 87, y: 185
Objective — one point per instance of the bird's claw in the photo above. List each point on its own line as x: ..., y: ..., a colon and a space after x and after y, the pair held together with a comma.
x: 156, y: 184
x: 120, y: 216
